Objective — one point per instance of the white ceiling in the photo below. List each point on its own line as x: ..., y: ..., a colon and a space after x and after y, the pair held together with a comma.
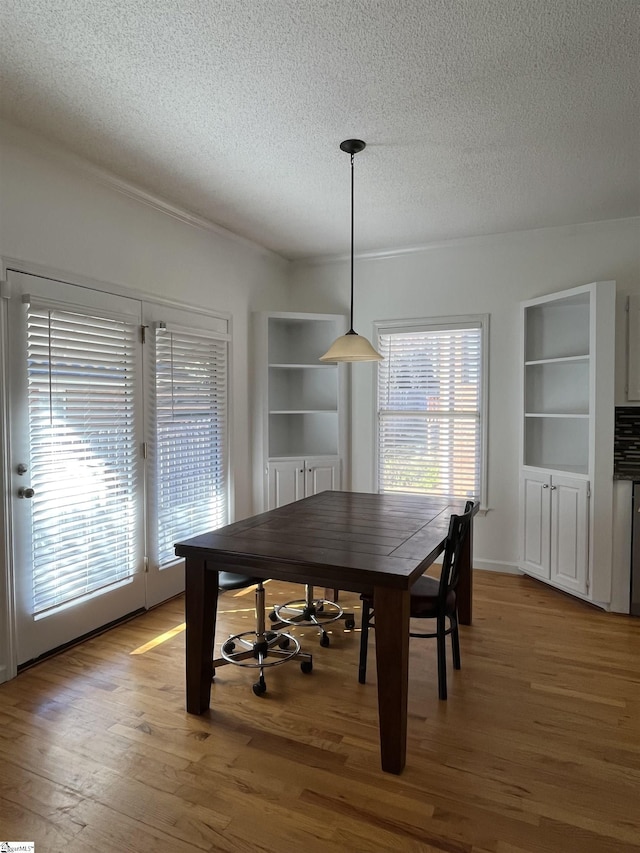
x: 480, y: 116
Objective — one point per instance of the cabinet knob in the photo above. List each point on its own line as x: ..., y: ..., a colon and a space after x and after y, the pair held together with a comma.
x: 553, y: 488
x: 545, y: 486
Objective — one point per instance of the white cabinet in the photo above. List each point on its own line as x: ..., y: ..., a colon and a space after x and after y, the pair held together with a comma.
x: 300, y: 405
x: 292, y: 479
x: 535, y: 532
x: 555, y: 529
x: 566, y: 480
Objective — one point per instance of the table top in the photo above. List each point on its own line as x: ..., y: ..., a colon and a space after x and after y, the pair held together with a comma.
x: 344, y: 540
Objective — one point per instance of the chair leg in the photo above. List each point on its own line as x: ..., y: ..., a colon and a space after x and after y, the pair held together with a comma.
x: 364, y: 644
x: 442, y: 658
x: 455, y: 641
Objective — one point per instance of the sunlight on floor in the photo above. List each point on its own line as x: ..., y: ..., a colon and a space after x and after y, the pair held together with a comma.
x: 168, y: 635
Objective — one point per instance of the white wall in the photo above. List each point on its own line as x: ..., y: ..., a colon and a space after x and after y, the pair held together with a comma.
x: 481, y: 275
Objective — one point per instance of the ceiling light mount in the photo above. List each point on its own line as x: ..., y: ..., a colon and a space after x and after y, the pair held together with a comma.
x: 352, y: 346
x: 353, y: 146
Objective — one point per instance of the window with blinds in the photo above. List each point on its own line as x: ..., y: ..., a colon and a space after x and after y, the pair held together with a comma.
x: 430, y: 408
x: 81, y: 375
x: 190, y: 448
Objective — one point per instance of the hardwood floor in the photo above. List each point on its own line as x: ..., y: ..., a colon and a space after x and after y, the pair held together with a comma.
x: 536, y: 749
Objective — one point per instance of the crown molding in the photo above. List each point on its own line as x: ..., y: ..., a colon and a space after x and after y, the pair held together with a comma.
x: 50, y: 150
x: 476, y: 240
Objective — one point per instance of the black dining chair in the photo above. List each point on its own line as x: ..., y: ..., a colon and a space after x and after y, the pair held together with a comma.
x: 258, y: 649
x: 431, y: 598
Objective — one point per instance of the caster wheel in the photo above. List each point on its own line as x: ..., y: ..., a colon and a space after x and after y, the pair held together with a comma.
x: 350, y: 624
x: 273, y: 616
x: 260, y: 687
x: 229, y: 647
x: 324, y: 641
x: 306, y: 666
x: 284, y: 643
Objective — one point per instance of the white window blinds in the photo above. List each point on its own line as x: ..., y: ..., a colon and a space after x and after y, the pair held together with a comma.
x: 429, y: 409
x: 190, y: 467
x: 83, y: 452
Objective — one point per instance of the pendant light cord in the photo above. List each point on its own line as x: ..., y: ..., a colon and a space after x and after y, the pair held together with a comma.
x: 351, y: 332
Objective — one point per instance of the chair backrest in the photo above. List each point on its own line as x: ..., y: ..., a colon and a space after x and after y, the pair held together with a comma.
x: 458, y: 531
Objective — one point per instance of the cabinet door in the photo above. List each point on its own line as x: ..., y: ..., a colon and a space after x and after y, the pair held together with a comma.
x: 569, y: 533
x: 285, y: 482
x: 320, y: 475
x: 535, y: 500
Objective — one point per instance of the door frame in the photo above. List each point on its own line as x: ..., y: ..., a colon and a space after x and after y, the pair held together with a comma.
x: 8, y: 627
x: 8, y: 650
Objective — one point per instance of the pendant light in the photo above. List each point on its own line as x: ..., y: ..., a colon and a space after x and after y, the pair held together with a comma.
x: 352, y: 346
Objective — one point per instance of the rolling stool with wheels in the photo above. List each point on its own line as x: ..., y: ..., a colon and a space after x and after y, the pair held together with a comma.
x: 258, y: 649
x: 317, y: 612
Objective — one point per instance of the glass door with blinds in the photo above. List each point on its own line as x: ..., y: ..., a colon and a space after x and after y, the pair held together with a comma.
x: 186, y: 436
x: 118, y: 440
x: 77, y: 469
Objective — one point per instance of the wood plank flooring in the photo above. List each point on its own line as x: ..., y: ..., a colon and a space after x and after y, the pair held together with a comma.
x: 536, y: 749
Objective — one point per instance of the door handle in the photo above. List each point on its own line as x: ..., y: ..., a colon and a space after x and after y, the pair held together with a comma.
x: 25, y: 492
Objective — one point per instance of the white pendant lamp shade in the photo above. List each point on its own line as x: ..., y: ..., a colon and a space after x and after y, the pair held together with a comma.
x: 352, y: 346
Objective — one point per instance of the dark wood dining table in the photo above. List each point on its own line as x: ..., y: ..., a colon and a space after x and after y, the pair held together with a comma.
x: 353, y: 541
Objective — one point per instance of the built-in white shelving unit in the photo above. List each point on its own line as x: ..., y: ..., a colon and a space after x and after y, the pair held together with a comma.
x: 300, y: 417
x: 557, y: 388
x: 567, y: 439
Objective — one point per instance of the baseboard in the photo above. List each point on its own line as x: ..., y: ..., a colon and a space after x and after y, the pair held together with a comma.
x: 496, y: 566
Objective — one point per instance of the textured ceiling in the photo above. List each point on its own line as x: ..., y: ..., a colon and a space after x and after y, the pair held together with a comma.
x: 480, y: 116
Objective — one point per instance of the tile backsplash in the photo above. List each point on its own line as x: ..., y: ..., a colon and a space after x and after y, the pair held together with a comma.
x: 626, y: 446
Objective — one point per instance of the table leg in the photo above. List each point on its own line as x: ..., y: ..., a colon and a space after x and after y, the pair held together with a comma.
x: 465, y: 580
x: 391, y: 608
x: 201, y: 604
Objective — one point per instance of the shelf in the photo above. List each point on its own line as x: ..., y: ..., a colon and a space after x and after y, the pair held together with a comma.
x: 556, y: 414
x: 579, y: 470
x: 557, y: 387
x: 558, y: 329
x: 296, y: 389
x: 565, y: 359
x: 559, y: 443
x: 302, y: 434
x: 300, y: 341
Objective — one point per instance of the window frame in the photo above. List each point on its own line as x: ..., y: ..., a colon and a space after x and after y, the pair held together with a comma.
x: 425, y: 324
